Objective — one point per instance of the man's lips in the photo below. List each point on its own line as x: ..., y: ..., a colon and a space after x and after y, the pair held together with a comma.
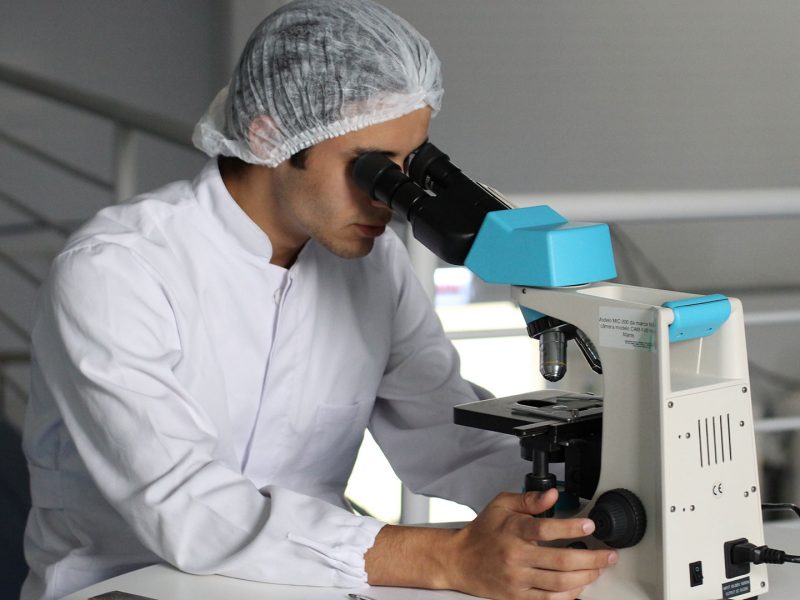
x: 371, y: 230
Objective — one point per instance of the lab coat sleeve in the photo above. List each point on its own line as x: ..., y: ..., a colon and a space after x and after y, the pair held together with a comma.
x: 413, y: 417
x: 107, y: 333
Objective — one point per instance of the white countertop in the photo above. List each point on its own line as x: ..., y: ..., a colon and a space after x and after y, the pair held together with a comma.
x: 162, y: 582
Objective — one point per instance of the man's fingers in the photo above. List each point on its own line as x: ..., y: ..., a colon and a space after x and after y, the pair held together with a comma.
x: 545, y: 595
x: 558, y: 581
x: 568, y: 559
x: 534, y: 594
x: 529, y: 503
x: 570, y: 595
x: 548, y: 530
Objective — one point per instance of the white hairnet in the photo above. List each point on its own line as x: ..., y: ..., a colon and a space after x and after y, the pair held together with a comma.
x: 314, y: 70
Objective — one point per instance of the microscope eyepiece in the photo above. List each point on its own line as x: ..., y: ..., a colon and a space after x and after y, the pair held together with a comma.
x: 430, y: 168
x: 445, y: 207
x: 383, y: 180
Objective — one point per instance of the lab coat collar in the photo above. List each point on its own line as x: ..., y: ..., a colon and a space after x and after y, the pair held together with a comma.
x: 212, y: 194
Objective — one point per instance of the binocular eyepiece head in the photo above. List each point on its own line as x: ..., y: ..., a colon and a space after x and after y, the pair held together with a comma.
x: 445, y: 207
x: 427, y: 168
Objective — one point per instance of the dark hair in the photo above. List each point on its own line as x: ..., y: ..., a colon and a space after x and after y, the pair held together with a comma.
x: 235, y: 165
x: 298, y: 159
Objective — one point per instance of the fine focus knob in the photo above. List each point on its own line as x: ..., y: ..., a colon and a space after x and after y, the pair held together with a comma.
x: 619, y: 518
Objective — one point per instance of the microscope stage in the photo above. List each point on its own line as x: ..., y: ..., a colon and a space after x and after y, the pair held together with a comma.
x: 530, y: 413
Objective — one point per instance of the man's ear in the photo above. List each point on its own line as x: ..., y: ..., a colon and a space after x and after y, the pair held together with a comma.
x: 263, y: 136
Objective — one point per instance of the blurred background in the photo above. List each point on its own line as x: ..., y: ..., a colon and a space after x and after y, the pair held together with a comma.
x: 677, y: 123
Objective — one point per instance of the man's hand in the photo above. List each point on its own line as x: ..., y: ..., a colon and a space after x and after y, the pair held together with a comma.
x: 495, y: 556
x: 498, y: 556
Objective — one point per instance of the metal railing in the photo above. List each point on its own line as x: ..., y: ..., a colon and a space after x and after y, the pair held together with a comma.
x: 128, y: 122
x: 643, y: 207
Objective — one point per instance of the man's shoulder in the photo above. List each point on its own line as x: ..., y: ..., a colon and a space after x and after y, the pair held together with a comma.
x: 143, y: 218
x: 138, y: 234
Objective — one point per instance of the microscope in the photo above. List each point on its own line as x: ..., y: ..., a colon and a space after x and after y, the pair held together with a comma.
x: 664, y: 461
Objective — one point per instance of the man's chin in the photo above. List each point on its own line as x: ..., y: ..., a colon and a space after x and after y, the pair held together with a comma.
x: 354, y: 250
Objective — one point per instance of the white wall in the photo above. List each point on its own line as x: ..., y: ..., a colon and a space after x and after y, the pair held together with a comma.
x: 617, y: 95
x: 165, y: 57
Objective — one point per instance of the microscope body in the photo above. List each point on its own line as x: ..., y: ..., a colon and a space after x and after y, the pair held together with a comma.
x: 677, y: 431
x: 677, y: 470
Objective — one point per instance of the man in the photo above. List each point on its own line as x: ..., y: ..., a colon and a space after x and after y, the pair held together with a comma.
x: 207, y: 357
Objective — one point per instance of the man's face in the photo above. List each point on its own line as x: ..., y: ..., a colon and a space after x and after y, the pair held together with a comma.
x: 322, y: 202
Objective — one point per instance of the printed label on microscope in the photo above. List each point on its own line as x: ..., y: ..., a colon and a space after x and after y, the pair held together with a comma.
x: 627, y: 328
x: 737, y: 587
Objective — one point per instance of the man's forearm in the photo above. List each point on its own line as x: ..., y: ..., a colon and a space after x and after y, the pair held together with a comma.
x: 411, y: 557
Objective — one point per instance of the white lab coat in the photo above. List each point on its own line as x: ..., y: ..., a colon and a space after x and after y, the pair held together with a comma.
x: 194, y: 404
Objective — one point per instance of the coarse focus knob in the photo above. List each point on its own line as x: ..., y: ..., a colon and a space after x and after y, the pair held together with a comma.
x: 619, y: 518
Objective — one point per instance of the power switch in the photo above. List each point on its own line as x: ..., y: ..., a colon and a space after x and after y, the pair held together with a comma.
x: 696, y: 573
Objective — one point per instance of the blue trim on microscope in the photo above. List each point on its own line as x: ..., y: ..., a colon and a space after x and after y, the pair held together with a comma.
x: 536, y: 246
x: 530, y: 315
x: 697, y: 317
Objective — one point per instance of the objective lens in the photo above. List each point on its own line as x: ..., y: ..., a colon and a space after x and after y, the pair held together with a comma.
x: 553, y: 355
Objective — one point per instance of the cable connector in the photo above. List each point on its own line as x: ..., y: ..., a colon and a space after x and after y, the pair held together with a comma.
x: 745, y: 552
